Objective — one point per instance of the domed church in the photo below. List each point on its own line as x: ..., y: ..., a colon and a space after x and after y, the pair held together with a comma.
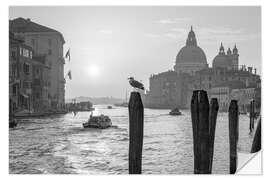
x: 174, y: 88
x: 227, y: 61
x: 191, y: 57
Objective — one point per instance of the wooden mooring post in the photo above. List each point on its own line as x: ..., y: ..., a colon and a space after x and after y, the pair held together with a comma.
x: 136, y: 115
x: 212, y: 128
x: 233, y: 134
x: 203, y: 127
x: 256, y: 144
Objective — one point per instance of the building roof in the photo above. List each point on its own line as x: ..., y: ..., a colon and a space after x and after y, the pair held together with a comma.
x: 21, y: 25
x: 191, y: 52
x: 221, y: 60
x: 163, y: 74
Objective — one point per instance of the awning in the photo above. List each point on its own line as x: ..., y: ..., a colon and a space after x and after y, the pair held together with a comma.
x: 24, y: 95
x: 14, y: 82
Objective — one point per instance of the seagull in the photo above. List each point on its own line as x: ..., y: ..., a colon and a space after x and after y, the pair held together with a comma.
x: 135, y: 84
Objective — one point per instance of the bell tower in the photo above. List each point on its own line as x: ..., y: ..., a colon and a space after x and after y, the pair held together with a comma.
x: 235, y: 58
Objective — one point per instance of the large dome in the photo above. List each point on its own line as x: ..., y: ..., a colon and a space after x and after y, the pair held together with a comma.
x: 191, y: 54
x: 191, y: 57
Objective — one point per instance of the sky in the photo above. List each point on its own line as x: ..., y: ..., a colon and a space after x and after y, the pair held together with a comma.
x: 110, y: 43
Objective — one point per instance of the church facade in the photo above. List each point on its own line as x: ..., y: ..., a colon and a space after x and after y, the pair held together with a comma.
x: 174, y: 88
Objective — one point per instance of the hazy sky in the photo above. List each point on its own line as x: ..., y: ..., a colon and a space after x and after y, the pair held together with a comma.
x: 108, y: 44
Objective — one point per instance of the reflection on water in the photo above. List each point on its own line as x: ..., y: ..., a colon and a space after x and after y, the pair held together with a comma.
x: 59, y: 144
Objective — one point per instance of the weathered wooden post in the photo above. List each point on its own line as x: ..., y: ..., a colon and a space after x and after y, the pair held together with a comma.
x: 233, y: 134
x: 136, y: 114
x: 200, y: 126
x: 212, y: 128
x: 256, y: 144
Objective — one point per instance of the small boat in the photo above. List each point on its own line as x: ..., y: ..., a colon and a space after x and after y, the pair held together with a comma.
x: 175, y: 112
x: 12, y: 122
x: 124, y: 104
x: 109, y: 107
x: 101, y: 122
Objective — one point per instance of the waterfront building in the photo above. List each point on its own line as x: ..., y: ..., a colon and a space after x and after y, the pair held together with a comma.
x: 45, y: 41
x: 20, y: 75
x: 40, y: 85
x: 223, y: 92
x: 14, y: 82
x: 191, y: 72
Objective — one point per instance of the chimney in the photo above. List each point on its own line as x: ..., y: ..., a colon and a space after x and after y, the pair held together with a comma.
x: 249, y: 69
x: 255, y: 71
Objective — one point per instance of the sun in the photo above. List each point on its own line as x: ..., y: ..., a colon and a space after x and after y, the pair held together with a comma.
x: 93, y: 71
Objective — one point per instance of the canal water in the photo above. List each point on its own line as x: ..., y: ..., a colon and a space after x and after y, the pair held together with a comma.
x: 59, y: 144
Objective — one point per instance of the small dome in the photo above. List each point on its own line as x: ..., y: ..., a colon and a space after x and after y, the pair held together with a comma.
x: 191, y: 54
x: 221, y: 60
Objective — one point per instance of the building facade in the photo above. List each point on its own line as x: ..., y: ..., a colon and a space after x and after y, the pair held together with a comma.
x: 49, y: 42
x: 40, y: 85
x: 191, y: 72
x: 20, y: 75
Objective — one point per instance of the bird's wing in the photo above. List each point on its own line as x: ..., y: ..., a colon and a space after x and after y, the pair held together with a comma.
x: 137, y: 84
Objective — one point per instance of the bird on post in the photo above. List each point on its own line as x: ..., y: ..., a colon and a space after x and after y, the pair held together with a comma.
x: 135, y: 84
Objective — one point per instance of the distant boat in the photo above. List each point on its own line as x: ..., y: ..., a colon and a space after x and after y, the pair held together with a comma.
x: 100, y: 122
x: 12, y: 122
x: 175, y: 112
x: 109, y: 107
x: 124, y: 104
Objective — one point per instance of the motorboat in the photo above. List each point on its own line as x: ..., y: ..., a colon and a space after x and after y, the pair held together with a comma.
x: 175, y: 112
x: 100, y: 122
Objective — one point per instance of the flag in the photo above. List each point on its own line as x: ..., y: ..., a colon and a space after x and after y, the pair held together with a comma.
x: 68, y: 54
x: 69, y: 74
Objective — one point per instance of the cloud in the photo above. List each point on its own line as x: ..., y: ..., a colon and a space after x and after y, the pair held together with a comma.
x: 152, y: 35
x: 173, y: 20
x: 174, y: 36
x: 222, y: 34
x: 210, y: 35
x: 106, y: 31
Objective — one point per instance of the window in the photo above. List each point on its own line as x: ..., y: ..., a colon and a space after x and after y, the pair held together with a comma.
x: 25, y: 52
x: 49, y: 51
x: 50, y: 42
x: 13, y: 70
x: 25, y: 84
x: 26, y: 68
x: 37, y: 71
x: 13, y: 54
x: 14, y: 90
x: 31, y: 54
x: 20, y: 51
x: 33, y: 42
